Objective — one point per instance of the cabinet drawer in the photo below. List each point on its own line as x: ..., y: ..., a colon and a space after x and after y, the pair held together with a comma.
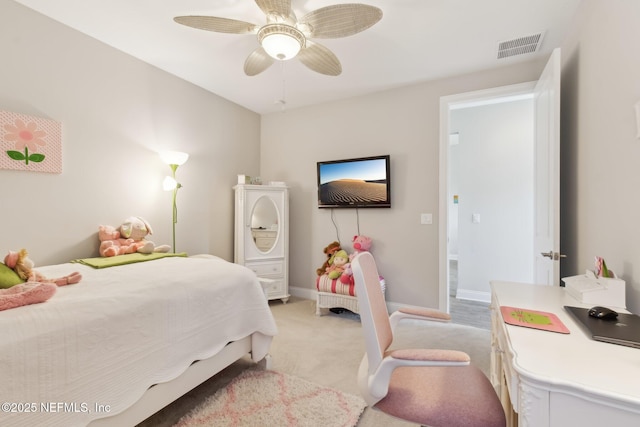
x: 266, y: 268
x: 274, y: 289
x: 264, y: 233
x: 264, y: 243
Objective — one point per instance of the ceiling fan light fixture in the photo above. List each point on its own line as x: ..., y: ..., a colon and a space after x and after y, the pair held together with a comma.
x: 281, y: 41
x: 285, y: 36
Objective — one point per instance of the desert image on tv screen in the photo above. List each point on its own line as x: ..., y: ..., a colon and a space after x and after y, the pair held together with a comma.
x: 359, y: 182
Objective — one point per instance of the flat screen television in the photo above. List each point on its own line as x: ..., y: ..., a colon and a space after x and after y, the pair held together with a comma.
x: 355, y: 183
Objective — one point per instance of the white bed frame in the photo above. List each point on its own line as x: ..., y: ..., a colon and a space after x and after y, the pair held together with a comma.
x: 160, y: 395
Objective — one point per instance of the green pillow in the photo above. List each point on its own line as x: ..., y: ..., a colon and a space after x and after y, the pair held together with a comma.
x: 8, y: 277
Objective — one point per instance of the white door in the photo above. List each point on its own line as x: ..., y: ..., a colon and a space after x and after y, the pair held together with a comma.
x: 547, y: 174
x: 546, y: 170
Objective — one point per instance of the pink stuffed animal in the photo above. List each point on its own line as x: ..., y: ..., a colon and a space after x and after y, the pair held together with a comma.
x: 25, y: 294
x: 25, y: 286
x: 137, y: 229
x: 23, y: 266
x: 111, y: 244
x: 360, y: 244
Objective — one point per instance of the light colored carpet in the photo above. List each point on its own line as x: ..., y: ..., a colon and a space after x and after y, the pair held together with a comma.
x: 327, y: 350
x: 258, y: 397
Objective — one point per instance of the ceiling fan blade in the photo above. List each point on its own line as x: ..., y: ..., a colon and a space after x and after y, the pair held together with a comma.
x: 340, y: 20
x: 277, y: 7
x: 320, y: 59
x: 219, y: 25
x: 257, y: 62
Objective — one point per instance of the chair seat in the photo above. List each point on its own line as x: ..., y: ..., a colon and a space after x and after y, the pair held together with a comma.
x: 446, y: 397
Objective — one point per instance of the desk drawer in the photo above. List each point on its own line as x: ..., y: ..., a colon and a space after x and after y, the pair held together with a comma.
x: 511, y: 377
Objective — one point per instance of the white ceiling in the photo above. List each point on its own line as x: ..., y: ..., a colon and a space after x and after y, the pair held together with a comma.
x: 416, y: 41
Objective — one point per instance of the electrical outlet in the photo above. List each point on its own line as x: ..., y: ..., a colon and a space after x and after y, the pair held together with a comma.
x: 426, y: 218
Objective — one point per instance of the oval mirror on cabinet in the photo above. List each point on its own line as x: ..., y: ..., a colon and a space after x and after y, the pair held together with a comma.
x: 264, y: 224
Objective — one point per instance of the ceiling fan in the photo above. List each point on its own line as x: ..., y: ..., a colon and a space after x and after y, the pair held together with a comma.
x: 284, y: 36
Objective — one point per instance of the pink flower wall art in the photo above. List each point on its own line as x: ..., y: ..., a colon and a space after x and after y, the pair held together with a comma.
x: 30, y: 143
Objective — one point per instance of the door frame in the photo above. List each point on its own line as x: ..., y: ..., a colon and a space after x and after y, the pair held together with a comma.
x: 446, y: 103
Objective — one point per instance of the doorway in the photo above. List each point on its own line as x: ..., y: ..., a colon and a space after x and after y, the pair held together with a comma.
x: 486, y: 179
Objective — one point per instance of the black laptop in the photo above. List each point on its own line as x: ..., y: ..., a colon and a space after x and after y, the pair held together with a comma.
x: 625, y: 330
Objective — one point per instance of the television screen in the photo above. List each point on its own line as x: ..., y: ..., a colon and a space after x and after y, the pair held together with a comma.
x: 355, y: 183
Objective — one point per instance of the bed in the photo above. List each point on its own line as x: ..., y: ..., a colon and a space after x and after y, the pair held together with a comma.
x: 128, y: 340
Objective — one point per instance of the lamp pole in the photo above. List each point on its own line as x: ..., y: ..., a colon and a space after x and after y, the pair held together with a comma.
x: 174, y: 167
x: 173, y: 159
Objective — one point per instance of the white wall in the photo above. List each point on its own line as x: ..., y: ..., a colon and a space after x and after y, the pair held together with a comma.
x: 599, y: 160
x: 600, y: 152
x: 116, y: 113
x: 494, y: 181
x: 402, y: 122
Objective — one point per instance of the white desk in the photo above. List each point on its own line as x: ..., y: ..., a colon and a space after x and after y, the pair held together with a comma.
x: 547, y: 379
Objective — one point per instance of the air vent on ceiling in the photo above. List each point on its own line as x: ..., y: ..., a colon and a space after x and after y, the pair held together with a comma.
x: 519, y: 46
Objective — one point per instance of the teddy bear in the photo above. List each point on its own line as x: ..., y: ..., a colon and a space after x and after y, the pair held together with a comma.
x: 340, y: 259
x: 111, y: 244
x: 22, y: 265
x: 360, y: 244
x: 330, y: 251
x: 137, y: 228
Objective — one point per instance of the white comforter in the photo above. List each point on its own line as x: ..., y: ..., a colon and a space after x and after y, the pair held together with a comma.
x: 105, y: 340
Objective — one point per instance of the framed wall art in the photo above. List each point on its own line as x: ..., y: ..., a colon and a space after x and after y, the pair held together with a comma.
x: 30, y: 143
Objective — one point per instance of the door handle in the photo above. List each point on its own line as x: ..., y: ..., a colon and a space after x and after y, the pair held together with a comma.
x: 553, y: 255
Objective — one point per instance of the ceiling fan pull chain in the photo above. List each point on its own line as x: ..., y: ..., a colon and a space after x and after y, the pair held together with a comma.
x: 283, y: 100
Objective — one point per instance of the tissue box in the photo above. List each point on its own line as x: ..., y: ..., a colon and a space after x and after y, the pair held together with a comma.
x: 588, y: 289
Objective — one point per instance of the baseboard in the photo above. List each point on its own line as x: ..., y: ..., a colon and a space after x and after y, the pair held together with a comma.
x: 312, y: 294
x: 473, y: 295
x: 304, y: 293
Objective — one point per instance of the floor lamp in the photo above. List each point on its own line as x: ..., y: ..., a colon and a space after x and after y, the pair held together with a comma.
x: 173, y: 159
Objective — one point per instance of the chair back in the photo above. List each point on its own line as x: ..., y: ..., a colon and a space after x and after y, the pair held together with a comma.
x: 373, y: 309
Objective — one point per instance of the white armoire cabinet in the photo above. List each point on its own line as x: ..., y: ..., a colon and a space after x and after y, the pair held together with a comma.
x: 262, y: 235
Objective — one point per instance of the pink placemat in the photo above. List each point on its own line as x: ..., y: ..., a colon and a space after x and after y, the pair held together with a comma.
x: 533, y: 319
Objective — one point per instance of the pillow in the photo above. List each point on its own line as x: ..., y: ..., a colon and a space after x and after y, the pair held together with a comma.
x: 8, y: 277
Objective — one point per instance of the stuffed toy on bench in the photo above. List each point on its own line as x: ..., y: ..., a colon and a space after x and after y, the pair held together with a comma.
x: 335, y: 286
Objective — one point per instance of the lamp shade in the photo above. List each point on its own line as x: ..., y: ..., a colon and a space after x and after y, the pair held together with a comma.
x: 169, y: 183
x: 281, y: 41
x: 174, y: 157
x: 281, y: 46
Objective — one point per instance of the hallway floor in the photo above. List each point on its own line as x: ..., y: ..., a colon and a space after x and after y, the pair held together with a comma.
x: 466, y: 312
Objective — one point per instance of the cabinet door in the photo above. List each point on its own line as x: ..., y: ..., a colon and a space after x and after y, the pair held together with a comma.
x: 263, y: 220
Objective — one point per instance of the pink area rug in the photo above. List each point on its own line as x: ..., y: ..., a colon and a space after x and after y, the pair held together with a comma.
x: 270, y: 398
